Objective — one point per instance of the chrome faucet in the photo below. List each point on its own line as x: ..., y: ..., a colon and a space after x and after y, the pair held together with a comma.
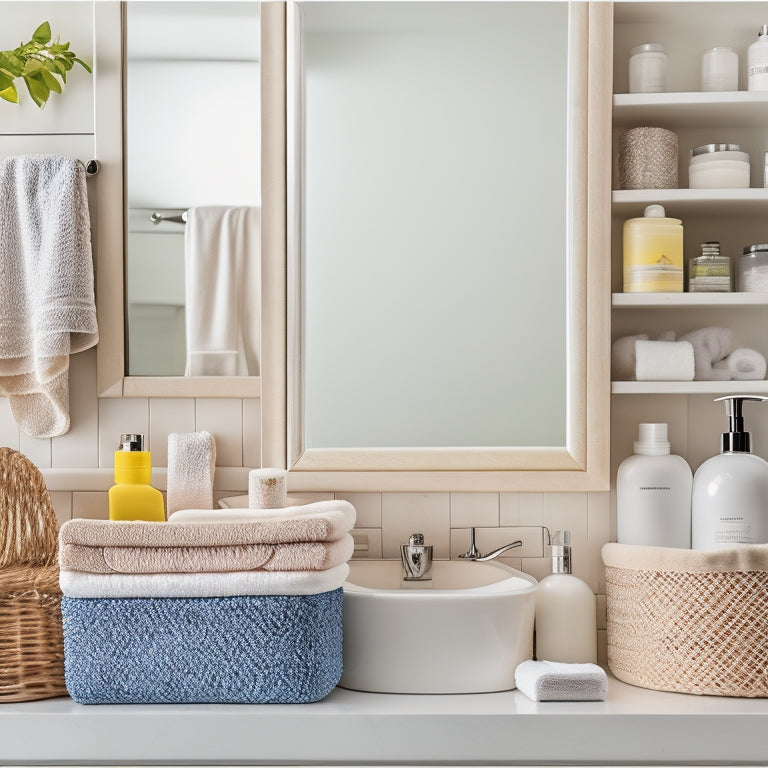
x: 473, y: 553
x: 416, y: 558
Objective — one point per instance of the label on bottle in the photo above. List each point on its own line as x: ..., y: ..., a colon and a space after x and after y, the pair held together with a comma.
x: 734, y: 534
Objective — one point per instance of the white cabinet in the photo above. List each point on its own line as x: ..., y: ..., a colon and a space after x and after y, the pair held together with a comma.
x: 734, y: 217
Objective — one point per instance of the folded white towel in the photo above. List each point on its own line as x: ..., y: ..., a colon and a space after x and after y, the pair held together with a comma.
x: 744, y: 365
x: 623, y: 361
x: 558, y: 681
x: 46, y: 290
x: 223, y: 290
x: 80, y: 584
x: 710, y: 345
x: 191, y: 465
x: 664, y: 360
x: 340, y: 513
x: 267, y: 489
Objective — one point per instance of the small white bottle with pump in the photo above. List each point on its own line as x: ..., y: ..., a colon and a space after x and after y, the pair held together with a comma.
x: 566, y: 624
x: 730, y: 492
x: 653, y: 493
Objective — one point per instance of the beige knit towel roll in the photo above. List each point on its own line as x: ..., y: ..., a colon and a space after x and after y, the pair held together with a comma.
x: 303, y: 556
x: 742, y: 559
x: 330, y: 522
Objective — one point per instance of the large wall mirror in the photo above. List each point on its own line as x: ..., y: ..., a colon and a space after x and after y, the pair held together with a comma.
x: 446, y: 225
x: 191, y: 152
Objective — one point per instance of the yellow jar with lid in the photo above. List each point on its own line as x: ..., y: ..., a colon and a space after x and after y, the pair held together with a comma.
x: 653, y: 253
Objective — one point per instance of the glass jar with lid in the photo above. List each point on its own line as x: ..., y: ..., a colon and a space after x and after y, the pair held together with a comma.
x: 711, y: 271
x: 752, y: 269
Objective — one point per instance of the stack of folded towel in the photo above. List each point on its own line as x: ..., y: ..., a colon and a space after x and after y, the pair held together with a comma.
x: 212, y: 606
x: 705, y: 354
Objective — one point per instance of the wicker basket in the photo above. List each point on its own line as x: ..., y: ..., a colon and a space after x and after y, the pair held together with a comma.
x: 686, y: 621
x: 31, y: 643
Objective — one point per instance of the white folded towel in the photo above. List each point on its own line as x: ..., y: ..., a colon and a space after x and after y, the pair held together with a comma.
x: 191, y: 466
x: 558, y: 681
x: 744, y: 365
x: 46, y: 290
x: 80, y: 584
x: 664, y: 360
x: 623, y: 361
x: 223, y: 291
x: 340, y: 513
x: 710, y: 345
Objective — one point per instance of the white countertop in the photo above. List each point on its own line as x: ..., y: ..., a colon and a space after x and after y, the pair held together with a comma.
x: 633, y: 726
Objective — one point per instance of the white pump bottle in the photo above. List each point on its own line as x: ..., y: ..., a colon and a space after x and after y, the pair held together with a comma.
x: 729, y: 503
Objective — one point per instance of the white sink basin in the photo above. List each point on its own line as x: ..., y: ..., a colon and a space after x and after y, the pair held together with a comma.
x: 463, y: 632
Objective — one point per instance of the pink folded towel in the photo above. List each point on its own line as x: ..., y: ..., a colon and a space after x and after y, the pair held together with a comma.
x: 302, y: 556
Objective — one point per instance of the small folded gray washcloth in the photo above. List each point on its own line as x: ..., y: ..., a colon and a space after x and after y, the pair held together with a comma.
x: 558, y: 681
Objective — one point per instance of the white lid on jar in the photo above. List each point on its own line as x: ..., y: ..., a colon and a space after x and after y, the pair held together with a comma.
x: 721, y: 49
x: 750, y: 250
x: 647, y: 48
x: 704, y: 148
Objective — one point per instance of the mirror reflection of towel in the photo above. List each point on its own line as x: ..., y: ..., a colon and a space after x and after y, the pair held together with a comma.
x: 47, y: 309
x: 223, y: 291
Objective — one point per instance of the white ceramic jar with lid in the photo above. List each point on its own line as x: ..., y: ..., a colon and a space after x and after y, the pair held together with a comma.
x: 647, y: 68
x: 720, y: 69
x: 718, y: 166
x: 752, y: 269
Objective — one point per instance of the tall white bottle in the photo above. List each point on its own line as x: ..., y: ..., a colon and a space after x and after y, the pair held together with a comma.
x: 730, y: 491
x: 653, y: 493
x: 566, y: 622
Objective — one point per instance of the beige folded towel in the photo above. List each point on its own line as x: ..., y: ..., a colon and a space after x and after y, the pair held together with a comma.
x: 328, y: 525
x: 302, y: 556
x: 739, y: 559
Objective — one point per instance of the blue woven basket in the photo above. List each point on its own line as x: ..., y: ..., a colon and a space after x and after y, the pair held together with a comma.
x: 259, y: 650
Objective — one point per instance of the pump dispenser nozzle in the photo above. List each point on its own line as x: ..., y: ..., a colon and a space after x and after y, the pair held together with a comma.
x: 736, y: 440
x: 561, y: 552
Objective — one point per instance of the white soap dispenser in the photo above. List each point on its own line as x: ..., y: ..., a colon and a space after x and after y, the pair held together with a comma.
x: 729, y: 504
x: 566, y: 621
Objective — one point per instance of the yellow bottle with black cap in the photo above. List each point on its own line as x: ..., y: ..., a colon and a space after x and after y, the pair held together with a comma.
x: 132, y: 497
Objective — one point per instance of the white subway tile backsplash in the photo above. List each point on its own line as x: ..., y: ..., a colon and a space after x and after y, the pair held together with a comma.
x: 405, y: 513
x: 509, y: 508
x: 91, y: 504
x: 252, y: 432
x: 367, y: 506
x: 119, y: 416
x: 62, y: 505
x: 474, y: 509
x: 36, y: 449
x: 367, y: 543
x: 223, y: 418
x: 79, y: 447
x: 167, y: 415
x: 9, y: 431
x: 598, y: 533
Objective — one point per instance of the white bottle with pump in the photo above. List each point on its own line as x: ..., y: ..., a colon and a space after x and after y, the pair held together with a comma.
x: 653, y: 493
x: 730, y: 491
x: 566, y: 622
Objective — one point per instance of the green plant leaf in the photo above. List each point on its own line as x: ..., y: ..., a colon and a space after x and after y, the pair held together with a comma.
x: 10, y: 94
x: 50, y: 80
x: 84, y: 65
x: 11, y: 63
x: 5, y: 81
x: 38, y: 90
x: 42, y: 34
x: 32, y: 65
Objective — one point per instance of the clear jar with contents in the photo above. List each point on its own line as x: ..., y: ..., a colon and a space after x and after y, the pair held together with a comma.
x: 752, y: 269
x: 720, y: 69
x: 647, y: 68
x: 718, y: 166
x: 710, y: 272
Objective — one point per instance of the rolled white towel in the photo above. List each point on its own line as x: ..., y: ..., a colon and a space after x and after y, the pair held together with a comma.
x: 267, y: 489
x: 558, y: 681
x: 710, y: 345
x: 744, y: 365
x: 191, y: 464
x: 664, y: 360
x: 623, y: 357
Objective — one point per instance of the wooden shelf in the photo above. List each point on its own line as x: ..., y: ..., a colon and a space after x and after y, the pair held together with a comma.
x: 685, y: 203
x: 683, y: 300
x: 689, y: 387
x: 726, y: 109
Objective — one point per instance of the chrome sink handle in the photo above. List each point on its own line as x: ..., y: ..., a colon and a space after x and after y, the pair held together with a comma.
x: 474, y: 554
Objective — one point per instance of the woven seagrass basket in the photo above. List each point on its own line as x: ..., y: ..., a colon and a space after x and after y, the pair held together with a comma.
x: 686, y: 621
x: 31, y: 643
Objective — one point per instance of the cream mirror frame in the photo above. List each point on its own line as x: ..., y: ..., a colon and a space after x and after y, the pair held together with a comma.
x: 582, y: 464
x: 112, y: 380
